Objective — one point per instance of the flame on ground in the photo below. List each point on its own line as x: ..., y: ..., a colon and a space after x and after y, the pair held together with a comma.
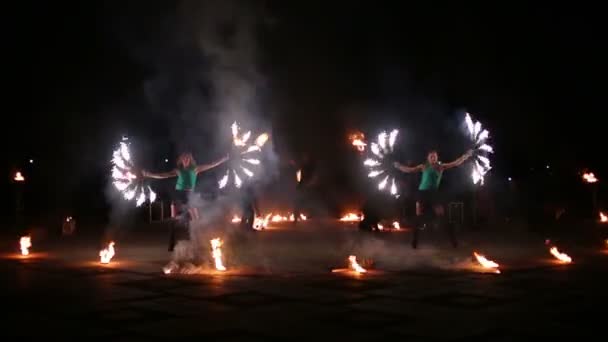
x: 19, y: 177
x: 236, y: 219
x: 351, y: 217
x: 355, y: 266
x: 603, y: 217
x: 25, y: 243
x: 486, y: 263
x: 106, y: 254
x: 560, y: 256
x: 216, y: 245
x: 396, y: 225
x: 589, y: 177
x: 380, y: 227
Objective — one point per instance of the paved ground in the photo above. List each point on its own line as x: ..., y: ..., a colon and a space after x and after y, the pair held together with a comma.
x: 61, y: 290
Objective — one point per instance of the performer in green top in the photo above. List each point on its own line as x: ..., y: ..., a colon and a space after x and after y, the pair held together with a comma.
x: 186, y: 173
x: 428, y: 190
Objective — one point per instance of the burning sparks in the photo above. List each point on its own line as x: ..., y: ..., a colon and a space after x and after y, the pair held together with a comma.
x: 603, y: 217
x: 240, y: 143
x: 260, y: 222
x: 381, y: 150
x: 106, y: 254
x: 589, y: 177
x: 216, y: 245
x: 481, y: 166
x: 485, y: 263
x: 560, y: 256
x: 25, y: 243
x: 355, y: 266
x: 351, y: 217
x: 19, y: 177
x: 124, y: 179
x: 358, y: 141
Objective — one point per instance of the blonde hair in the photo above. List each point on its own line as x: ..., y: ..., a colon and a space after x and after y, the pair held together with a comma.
x: 180, y: 159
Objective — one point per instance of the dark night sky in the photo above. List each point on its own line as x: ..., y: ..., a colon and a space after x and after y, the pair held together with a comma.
x: 78, y: 73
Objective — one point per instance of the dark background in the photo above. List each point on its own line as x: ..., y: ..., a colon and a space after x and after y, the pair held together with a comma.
x: 81, y: 74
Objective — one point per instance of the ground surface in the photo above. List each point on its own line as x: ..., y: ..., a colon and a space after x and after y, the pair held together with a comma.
x: 280, y: 287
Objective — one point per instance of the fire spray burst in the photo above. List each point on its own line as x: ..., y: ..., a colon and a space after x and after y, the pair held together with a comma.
x: 380, y: 162
x: 245, y: 159
x: 124, y: 178
x: 106, y: 254
x: 25, y: 243
x: 481, y: 149
x: 216, y: 246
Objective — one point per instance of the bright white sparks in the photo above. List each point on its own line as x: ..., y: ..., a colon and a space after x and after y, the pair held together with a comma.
x: 124, y: 179
x: 380, y: 163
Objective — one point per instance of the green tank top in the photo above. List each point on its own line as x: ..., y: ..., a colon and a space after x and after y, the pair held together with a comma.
x: 186, y: 179
x: 430, y: 178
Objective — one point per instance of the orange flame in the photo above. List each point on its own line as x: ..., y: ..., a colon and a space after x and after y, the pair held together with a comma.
x: 560, y: 256
x: 216, y: 245
x: 25, y: 243
x: 351, y: 217
x: 380, y: 227
x: 106, y: 254
x: 589, y: 177
x: 19, y: 177
x: 355, y: 266
x: 396, y: 225
x: 358, y: 141
x: 303, y: 217
x: 486, y: 263
x: 603, y: 217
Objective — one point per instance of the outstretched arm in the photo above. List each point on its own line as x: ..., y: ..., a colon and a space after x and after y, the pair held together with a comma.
x: 408, y: 169
x: 205, y: 167
x: 458, y: 161
x: 161, y: 175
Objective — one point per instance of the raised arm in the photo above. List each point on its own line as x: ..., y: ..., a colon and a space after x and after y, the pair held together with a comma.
x: 458, y: 161
x: 161, y: 175
x: 408, y: 169
x: 205, y: 167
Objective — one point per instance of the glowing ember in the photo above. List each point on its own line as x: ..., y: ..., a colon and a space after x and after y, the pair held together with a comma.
x: 216, y: 245
x: 19, y: 177
x: 303, y: 217
x: 355, y: 266
x: 486, y: 263
x: 106, y: 254
x: 560, y: 256
x: 352, y: 217
x: 603, y: 217
x: 358, y: 140
x: 589, y: 177
x: 396, y: 225
x: 25, y: 243
x: 299, y: 176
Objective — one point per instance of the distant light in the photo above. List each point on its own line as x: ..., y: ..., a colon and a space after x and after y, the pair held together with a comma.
x: 547, y: 166
x: 31, y: 161
x: 510, y: 179
x: 166, y: 160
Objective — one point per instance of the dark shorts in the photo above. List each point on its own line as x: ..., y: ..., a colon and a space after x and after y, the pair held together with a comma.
x: 429, y: 198
x: 180, y: 198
